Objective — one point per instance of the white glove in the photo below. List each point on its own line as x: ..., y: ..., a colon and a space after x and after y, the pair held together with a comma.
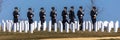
x: 95, y: 15
x: 30, y: 15
x: 66, y: 15
x: 44, y: 16
x: 81, y: 15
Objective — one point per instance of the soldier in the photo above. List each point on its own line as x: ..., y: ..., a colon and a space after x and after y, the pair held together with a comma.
x: 64, y: 16
x: 71, y: 14
x: 15, y: 14
x: 30, y: 15
x: 80, y: 16
x: 93, y: 14
x: 42, y: 15
x: 53, y: 15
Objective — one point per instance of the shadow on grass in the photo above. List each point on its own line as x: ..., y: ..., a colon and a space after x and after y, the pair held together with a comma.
x: 109, y: 39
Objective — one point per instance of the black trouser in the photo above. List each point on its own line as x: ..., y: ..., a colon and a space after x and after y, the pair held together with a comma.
x: 42, y: 21
x: 72, y: 20
x: 64, y: 21
x: 15, y: 20
x: 30, y: 22
x: 81, y: 23
x: 93, y: 22
x: 53, y: 21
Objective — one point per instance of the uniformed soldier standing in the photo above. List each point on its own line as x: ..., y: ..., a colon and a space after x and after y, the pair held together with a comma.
x: 30, y: 15
x: 53, y: 15
x: 42, y: 15
x: 93, y: 14
x: 15, y: 14
x: 71, y: 15
x: 80, y: 15
x: 64, y: 16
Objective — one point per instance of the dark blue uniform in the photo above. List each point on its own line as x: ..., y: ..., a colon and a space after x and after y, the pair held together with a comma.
x: 15, y: 15
x: 30, y: 16
x: 53, y: 16
x: 71, y: 16
x: 93, y: 17
x: 80, y: 17
x: 42, y: 17
x: 64, y: 16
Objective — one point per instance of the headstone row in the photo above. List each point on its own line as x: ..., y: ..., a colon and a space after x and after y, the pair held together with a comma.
x: 24, y: 26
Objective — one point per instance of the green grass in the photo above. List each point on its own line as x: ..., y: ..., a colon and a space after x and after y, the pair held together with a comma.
x: 45, y: 35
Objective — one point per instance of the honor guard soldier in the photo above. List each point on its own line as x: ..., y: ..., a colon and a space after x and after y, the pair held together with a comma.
x: 30, y: 15
x: 53, y: 15
x: 71, y: 15
x: 64, y: 16
x: 80, y: 15
x: 42, y: 15
x: 93, y: 14
x: 15, y: 14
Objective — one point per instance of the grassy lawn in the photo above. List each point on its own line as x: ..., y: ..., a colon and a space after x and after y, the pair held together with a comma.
x: 46, y: 35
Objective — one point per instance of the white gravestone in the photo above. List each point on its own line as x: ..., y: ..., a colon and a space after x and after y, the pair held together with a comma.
x: 73, y: 27
x: 100, y: 23
x: 78, y: 26
x: 39, y: 26
x: 35, y: 24
x: 111, y: 24
x: 116, y: 26
x: 9, y: 27
x: 96, y: 26
x: 90, y: 26
x: 15, y: 24
x: 105, y: 24
x: 87, y: 25
x: 4, y: 26
x: 49, y: 28
x: 61, y: 26
x: 55, y: 27
x: 20, y: 27
x: 26, y: 26
x: 32, y: 27
x: 67, y: 27
x: 83, y: 28
x: 44, y: 26
x: 75, y: 24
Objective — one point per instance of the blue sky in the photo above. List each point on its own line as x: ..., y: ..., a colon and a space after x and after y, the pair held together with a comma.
x: 110, y: 9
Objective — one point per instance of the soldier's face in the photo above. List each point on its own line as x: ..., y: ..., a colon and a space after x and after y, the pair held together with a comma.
x: 16, y: 10
x: 72, y: 9
x: 94, y: 9
x: 53, y: 10
x: 80, y: 9
x: 65, y: 9
x: 30, y: 11
x: 42, y: 10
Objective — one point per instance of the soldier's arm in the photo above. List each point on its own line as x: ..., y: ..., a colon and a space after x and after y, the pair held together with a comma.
x: 50, y: 14
x: 27, y: 14
x: 32, y: 15
x: 13, y: 13
x: 78, y: 13
x: 74, y: 15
